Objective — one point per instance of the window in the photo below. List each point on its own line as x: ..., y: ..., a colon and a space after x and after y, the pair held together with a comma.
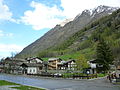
x: 33, y: 70
x: 30, y: 70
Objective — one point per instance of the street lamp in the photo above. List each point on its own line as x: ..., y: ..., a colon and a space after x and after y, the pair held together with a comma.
x: 45, y: 66
x: 87, y: 72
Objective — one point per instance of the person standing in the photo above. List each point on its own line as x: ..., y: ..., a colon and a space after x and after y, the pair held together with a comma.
x: 109, y: 78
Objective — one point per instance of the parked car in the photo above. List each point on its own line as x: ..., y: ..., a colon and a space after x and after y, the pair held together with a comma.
x: 57, y: 75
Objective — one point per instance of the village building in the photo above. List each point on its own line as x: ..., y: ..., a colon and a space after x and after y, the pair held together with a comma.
x: 11, y: 65
x: 70, y: 64
x: 53, y: 63
x: 118, y: 69
x: 92, y: 68
x: 1, y: 67
x: 34, y: 60
x: 33, y: 65
x: 15, y: 65
x: 67, y: 65
x: 31, y: 68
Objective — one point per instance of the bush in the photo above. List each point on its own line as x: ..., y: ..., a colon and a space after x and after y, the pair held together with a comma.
x: 101, y: 75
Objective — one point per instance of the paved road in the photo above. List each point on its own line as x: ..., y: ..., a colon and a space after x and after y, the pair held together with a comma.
x: 60, y: 84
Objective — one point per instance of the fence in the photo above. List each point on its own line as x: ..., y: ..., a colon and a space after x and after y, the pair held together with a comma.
x: 57, y: 75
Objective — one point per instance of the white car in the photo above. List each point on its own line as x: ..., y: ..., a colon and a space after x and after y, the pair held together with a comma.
x: 57, y: 74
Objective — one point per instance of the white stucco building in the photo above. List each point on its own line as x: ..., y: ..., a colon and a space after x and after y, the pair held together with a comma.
x: 31, y: 68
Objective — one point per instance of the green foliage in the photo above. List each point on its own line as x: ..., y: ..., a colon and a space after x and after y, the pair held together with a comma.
x: 69, y: 75
x: 45, y: 59
x: 19, y: 87
x: 85, y: 44
x: 104, y: 55
x: 101, y: 74
x: 81, y: 63
x: 68, y: 56
x: 88, y: 54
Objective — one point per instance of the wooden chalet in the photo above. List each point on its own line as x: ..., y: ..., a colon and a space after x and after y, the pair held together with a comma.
x: 53, y: 63
x: 67, y: 65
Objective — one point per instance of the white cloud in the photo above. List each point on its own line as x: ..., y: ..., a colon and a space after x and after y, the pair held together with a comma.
x: 6, y: 49
x: 74, y: 7
x: 10, y: 48
x: 42, y: 16
x: 4, y: 34
x: 5, y: 13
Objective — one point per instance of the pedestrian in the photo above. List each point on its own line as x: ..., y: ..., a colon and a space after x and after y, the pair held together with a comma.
x: 109, y: 78
x: 114, y: 76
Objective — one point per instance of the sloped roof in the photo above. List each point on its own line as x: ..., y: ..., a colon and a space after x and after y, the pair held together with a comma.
x: 66, y: 62
x: 93, y: 61
x: 31, y: 65
x: 69, y: 61
x: 10, y: 60
x: 52, y: 59
x: 32, y: 58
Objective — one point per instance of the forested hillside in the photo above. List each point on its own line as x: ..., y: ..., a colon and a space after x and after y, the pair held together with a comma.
x: 85, y: 40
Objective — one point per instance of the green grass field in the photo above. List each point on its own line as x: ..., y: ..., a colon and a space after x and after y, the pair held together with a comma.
x: 22, y: 87
x: 19, y: 87
x: 86, y: 52
x: 3, y: 83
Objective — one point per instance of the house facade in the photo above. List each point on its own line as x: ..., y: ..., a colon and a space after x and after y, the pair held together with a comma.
x: 31, y: 68
x: 67, y: 65
x: 118, y: 69
x: 11, y: 65
x: 1, y: 67
x: 93, y: 66
x: 53, y: 63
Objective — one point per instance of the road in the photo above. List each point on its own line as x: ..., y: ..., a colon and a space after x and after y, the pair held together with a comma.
x: 61, y: 84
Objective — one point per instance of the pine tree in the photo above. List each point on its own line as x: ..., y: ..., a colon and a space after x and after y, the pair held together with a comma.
x: 104, y: 55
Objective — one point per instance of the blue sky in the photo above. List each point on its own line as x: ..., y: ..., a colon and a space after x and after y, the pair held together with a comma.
x: 24, y: 21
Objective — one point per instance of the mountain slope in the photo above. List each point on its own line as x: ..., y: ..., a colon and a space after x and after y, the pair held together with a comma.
x: 59, y: 34
x: 85, y: 40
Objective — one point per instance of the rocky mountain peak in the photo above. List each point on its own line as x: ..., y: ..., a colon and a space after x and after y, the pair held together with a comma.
x: 103, y: 8
x: 86, y: 12
x: 97, y: 10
